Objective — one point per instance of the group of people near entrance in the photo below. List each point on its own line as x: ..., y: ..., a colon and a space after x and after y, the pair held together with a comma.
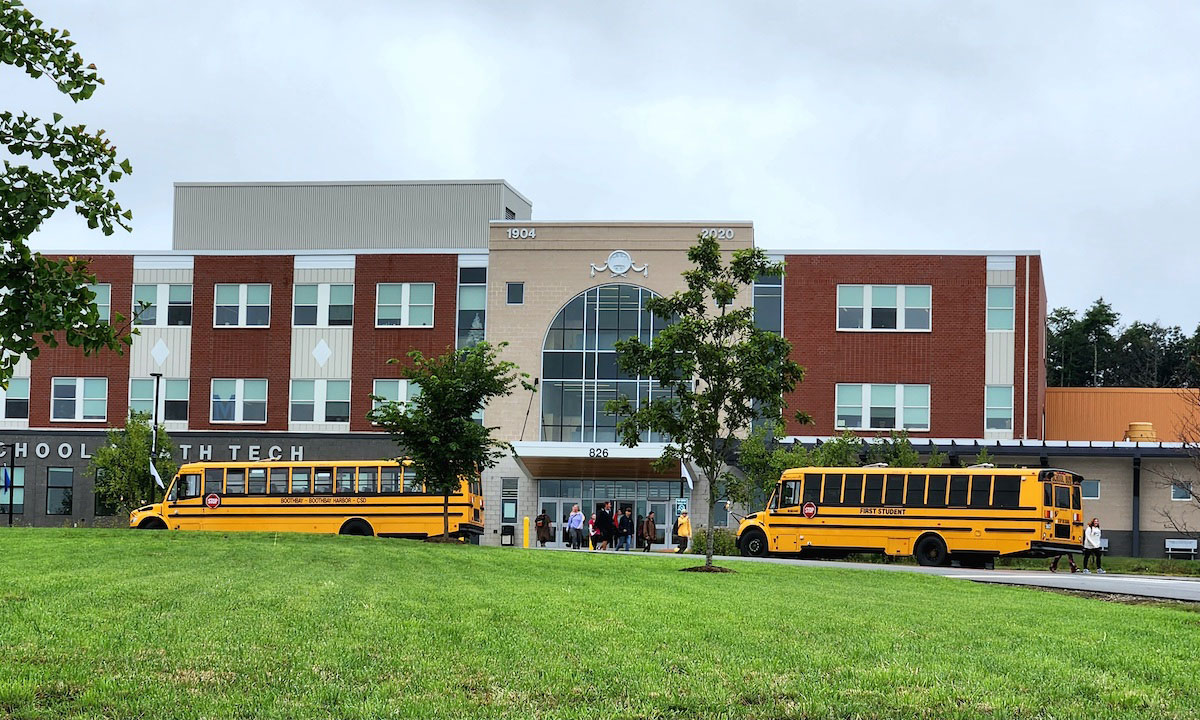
x: 604, y: 531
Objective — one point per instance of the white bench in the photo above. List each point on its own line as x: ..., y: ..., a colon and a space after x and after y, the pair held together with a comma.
x: 1181, y: 547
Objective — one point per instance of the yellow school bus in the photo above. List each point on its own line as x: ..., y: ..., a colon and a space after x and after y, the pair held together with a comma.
x: 971, y: 515
x: 349, y: 497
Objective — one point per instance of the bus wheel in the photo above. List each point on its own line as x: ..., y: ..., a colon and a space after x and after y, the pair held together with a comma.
x: 356, y: 527
x: 754, y: 544
x: 152, y: 524
x: 931, y: 551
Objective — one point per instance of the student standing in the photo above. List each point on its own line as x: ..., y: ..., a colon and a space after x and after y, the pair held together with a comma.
x: 683, y: 531
x: 648, y: 531
x: 1091, y: 545
x: 604, y: 525
x: 625, y: 529
x: 575, y: 527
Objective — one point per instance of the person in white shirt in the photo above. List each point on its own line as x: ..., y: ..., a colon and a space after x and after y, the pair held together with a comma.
x: 1091, y: 545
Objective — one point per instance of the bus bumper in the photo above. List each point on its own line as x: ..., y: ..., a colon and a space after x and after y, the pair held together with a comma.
x: 467, y: 529
x: 1041, y: 549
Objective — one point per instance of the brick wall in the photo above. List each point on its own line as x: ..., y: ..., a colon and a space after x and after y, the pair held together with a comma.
x: 226, y: 352
x: 374, y: 346
x: 65, y: 361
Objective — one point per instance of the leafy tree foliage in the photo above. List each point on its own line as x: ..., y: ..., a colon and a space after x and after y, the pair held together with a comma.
x: 721, y: 371
x: 435, y: 431
x: 51, y: 166
x: 122, y: 467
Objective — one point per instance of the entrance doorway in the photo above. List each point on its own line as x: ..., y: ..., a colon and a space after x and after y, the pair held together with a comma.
x: 640, y: 496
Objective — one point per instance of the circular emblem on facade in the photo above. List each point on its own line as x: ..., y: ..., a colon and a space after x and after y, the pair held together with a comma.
x: 619, y: 262
x: 213, y: 501
x: 809, y: 510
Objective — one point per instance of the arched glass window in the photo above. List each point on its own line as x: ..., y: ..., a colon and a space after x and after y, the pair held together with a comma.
x: 579, y: 364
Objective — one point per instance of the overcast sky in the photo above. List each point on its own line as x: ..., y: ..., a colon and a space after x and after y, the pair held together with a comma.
x: 1069, y: 128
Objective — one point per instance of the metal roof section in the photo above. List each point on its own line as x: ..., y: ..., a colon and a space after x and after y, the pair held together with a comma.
x: 298, y: 217
x: 1082, y: 448
x: 895, y: 251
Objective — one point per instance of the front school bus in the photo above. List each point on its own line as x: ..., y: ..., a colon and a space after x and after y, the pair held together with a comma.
x: 359, y: 497
x: 970, y: 514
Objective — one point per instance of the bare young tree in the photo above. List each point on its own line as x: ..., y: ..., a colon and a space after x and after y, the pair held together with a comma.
x: 1183, y: 517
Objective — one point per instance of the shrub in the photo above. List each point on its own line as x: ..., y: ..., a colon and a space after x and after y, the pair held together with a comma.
x: 724, y: 543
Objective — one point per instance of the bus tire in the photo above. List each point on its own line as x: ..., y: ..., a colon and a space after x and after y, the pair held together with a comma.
x: 754, y: 543
x: 152, y: 523
x: 357, y: 526
x: 930, y: 551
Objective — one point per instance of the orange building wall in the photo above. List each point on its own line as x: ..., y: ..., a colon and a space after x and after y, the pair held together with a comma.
x: 1105, y: 413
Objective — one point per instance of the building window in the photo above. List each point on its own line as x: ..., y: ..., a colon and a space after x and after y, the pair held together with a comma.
x: 579, y: 364
x: 404, y: 305
x: 172, y: 400
x: 59, y: 483
x: 103, y: 299
x: 148, y: 299
x: 1091, y: 489
x: 1181, y: 491
x: 14, y: 401
x: 472, y: 305
x: 238, y: 401
x: 395, y: 391
x: 79, y: 399
x: 768, y: 303
x: 18, y: 490
x: 242, y: 305
x: 882, y: 407
x: 323, y: 305
x: 515, y: 293
x: 998, y: 407
x: 1001, y: 299
x: 320, y: 401
x: 508, y: 510
x: 884, y: 307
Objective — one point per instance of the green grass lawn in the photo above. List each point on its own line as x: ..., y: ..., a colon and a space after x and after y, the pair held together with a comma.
x: 98, y: 623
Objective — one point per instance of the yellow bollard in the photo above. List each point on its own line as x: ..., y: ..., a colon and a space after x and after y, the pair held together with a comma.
x: 526, y: 531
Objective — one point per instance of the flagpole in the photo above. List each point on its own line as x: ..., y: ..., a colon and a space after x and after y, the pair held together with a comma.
x: 154, y: 430
x: 12, y: 477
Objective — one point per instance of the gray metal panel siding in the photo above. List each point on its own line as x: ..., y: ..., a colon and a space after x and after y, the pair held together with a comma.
x: 516, y: 203
x: 324, y: 217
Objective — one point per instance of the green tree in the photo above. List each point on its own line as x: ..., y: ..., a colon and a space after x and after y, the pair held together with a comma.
x: 720, y: 370
x: 121, y: 467
x: 51, y: 166
x: 762, y: 460
x: 435, y: 431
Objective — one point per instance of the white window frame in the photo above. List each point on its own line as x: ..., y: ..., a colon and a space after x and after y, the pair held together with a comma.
x: 4, y: 400
x: 406, y: 304
x: 162, y: 395
x: 106, y: 314
x: 1083, y: 494
x: 320, y: 399
x: 79, y: 400
x: 243, y: 291
x: 901, y: 293
x: 404, y: 390
x: 18, y: 485
x: 1012, y: 309
x: 1185, y: 488
x: 754, y: 296
x: 239, y: 395
x: 323, y: 293
x: 507, y: 286
x: 900, y: 405
x: 162, y: 304
x: 1011, y: 408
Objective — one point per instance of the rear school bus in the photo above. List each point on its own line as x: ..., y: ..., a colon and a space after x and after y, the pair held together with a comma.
x: 368, y: 497
x: 971, y: 515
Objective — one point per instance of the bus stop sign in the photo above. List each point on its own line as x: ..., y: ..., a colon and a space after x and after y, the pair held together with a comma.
x: 809, y: 510
x: 213, y: 501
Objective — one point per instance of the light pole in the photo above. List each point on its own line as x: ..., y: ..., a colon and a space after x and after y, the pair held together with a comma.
x: 154, y: 430
x: 12, y: 476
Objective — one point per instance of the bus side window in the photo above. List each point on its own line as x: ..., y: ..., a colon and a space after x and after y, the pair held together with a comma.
x: 189, y: 486
x: 235, y: 481
x: 279, y: 481
x: 812, y: 488
x: 873, y: 497
x: 301, y: 478
x: 1062, y: 497
x: 936, y: 497
x: 257, y: 483
x: 412, y: 484
x: 1007, y: 493
x: 389, y: 480
x: 981, y: 490
x: 852, y: 494
x: 214, y: 480
x: 366, y: 480
x: 1047, y: 494
x: 915, y: 496
x: 833, y: 489
x: 345, y: 480
x: 1075, y: 499
x: 958, y: 490
x: 893, y: 493
x: 789, y: 493
x: 323, y: 481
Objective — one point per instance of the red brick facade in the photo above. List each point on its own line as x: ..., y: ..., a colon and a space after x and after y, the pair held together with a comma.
x: 373, y: 346
x: 65, y: 361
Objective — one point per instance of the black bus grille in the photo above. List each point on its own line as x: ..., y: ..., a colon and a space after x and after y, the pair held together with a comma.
x: 1062, y: 530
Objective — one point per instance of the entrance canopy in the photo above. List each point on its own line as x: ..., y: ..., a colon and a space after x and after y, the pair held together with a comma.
x: 591, y: 460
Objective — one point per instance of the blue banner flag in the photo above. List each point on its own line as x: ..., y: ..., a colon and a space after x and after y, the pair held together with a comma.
x: 7, y: 481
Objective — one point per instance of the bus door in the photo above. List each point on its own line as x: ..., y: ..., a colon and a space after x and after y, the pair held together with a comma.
x: 214, y: 485
x: 786, y: 517
x: 184, y: 503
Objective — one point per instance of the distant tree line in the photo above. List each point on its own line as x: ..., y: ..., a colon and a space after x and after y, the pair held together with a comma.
x: 1093, y: 349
